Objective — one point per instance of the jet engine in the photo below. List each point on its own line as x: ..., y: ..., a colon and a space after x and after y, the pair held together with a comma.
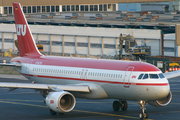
x: 162, y: 102
x: 60, y: 101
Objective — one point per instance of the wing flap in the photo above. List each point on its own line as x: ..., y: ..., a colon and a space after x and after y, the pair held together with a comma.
x: 75, y: 88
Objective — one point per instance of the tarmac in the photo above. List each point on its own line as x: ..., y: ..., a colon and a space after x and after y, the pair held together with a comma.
x: 27, y: 104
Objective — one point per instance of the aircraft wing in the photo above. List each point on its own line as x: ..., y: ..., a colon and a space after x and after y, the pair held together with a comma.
x: 172, y: 74
x: 12, y: 86
x: 74, y: 88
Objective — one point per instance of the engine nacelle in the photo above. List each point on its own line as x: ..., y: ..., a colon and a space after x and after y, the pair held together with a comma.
x: 60, y: 101
x: 162, y: 102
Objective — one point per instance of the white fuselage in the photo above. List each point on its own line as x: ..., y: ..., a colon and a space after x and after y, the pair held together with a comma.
x: 103, y: 83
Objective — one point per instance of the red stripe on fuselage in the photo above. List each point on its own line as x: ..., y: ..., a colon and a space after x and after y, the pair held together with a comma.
x: 100, y: 81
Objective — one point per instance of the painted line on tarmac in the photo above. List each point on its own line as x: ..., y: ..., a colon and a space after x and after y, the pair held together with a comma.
x: 43, y: 101
x: 21, y: 100
x: 107, y: 114
x: 23, y: 104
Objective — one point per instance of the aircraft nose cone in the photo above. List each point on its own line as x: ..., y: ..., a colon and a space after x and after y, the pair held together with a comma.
x: 163, y: 91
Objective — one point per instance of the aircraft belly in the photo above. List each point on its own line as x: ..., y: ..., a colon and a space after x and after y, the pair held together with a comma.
x: 117, y: 91
x: 96, y: 90
x: 114, y: 90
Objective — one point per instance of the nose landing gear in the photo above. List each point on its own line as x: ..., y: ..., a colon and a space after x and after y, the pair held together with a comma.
x: 143, y: 113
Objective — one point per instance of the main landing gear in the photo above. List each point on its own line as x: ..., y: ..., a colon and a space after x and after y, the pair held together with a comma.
x: 54, y: 113
x: 143, y: 114
x: 120, y: 104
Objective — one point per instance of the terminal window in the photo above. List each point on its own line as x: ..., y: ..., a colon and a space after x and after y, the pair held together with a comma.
x: 34, y: 9
x: 38, y: 9
x: 95, y: 7
x: 5, y: 10
x: 72, y: 7
x: 86, y: 7
x: 109, y: 7
x: 68, y: 7
x: 52, y: 9
x: 105, y: 7
x: 63, y: 8
x: 29, y: 9
x: 82, y: 7
x: 47, y: 8
x: 77, y: 7
x: 114, y: 7
x: 43, y: 9
x: 57, y: 8
x: 24, y: 9
x: 91, y: 7
x: 100, y: 7
x: 10, y: 10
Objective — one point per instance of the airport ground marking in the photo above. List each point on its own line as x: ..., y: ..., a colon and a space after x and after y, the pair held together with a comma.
x: 24, y: 104
x: 21, y: 100
x: 43, y: 101
x: 99, y: 113
x: 107, y: 114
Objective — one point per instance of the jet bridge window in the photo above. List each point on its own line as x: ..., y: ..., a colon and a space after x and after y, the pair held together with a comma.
x: 153, y: 76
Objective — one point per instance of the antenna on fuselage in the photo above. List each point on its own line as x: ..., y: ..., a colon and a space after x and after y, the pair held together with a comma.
x: 70, y: 55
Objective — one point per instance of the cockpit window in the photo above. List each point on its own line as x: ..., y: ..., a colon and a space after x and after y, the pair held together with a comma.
x: 140, y: 76
x: 161, y: 75
x: 154, y: 76
x: 145, y: 76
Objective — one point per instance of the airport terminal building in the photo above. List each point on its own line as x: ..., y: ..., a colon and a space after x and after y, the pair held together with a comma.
x: 46, y: 6
x: 89, y: 34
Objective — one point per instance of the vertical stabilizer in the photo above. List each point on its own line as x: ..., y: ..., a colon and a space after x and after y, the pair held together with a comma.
x: 26, y: 43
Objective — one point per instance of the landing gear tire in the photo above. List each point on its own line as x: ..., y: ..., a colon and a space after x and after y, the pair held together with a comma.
x: 116, y: 105
x: 53, y: 112
x: 124, y: 105
x: 141, y: 115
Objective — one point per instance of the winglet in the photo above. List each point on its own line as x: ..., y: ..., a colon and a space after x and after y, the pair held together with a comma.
x: 26, y: 43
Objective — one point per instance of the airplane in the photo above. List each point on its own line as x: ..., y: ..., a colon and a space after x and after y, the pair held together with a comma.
x: 61, y: 80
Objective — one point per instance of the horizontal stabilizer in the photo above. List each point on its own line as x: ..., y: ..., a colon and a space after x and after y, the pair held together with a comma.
x: 9, y: 64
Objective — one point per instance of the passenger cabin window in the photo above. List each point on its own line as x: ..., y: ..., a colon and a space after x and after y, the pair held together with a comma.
x: 153, y: 76
x: 145, y: 76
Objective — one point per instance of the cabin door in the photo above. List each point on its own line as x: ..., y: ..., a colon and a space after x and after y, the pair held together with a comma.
x: 28, y: 66
x: 127, y: 76
x: 84, y: 73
